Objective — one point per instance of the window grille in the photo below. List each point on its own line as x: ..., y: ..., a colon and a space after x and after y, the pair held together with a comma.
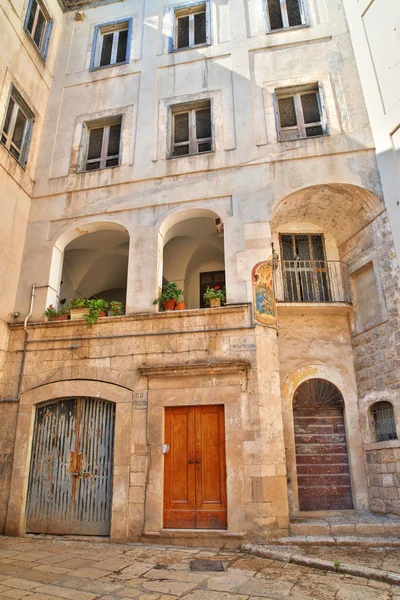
x: 191, y: 27
x: 103, y: 144
x: 111, y: 44
x: 38, y: 25
x: 282, y: 14
x: 385, y: 425
x: 300, y: 112
x: 192, y: 129
x: 17, y: 127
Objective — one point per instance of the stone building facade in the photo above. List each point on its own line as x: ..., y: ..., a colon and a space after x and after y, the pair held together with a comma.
x: 196, y: 142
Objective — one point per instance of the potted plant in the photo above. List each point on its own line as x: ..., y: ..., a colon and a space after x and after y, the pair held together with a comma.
x: 56, y: 315
x: 78, y: 308
x: 115, y: 308
x: 214, y: 296
x: 169, y: 296
x: 100, y: 305
x: 180, y: 305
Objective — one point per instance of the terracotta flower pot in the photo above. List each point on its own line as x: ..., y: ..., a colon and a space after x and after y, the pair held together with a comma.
x: 180, y: 306
x: 102, y: 313
x: 77, y: 313
x: 169, y: 304
x: 59, y: 318
x: 215, y: 302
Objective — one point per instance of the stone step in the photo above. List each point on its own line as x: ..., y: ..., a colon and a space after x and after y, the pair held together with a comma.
x: 338, y: 540
x: 346, y: 527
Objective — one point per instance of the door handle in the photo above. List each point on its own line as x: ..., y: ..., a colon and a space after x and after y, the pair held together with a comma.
x: 191, y: 461
x: 198, y: 461
x: 75, y: 474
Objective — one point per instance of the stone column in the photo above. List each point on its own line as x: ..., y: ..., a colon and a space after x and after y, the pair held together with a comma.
x: 270, y: 486
x: 145, y: 265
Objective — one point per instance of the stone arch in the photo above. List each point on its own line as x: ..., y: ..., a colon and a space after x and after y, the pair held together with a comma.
x: 339, y: 209
x: 70, y: 235
x: 122, y: 398
x: 188, y: 240
x: 348, y: 390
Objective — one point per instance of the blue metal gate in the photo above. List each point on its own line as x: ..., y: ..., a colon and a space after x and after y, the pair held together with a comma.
x: 70, y: 481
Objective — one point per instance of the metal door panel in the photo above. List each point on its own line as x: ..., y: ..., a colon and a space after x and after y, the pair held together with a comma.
x: 70, y: 481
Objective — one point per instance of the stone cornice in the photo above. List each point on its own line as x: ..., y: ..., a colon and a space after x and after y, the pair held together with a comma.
x: 234, y: 366
x: 79, y: 4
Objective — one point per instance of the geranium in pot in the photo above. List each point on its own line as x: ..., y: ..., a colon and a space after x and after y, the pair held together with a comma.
x: 53, y: 314
x: 78, y: 308
x: 115, y: 308
x: 97, y: 308
x: 169, y: 296
x: 214, y: 296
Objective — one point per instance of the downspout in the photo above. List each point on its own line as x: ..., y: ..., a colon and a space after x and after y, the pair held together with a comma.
x: 21, y: 373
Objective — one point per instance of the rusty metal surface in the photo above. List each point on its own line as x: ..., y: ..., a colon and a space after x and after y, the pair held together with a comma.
x: 70, y: 481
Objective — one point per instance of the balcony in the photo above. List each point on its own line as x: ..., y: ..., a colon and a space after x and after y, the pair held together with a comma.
x: 311, y: 282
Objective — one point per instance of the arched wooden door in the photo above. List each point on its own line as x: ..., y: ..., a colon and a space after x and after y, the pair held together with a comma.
x: 323, y: 474
x: 70, y: 480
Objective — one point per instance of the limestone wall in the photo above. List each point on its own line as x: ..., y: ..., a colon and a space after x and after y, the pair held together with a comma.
x: 8, y: 422
x: 115, y: 355
x: 383, y: 466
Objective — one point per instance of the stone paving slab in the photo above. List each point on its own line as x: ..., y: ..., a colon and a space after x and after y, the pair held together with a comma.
x: 49, y: 569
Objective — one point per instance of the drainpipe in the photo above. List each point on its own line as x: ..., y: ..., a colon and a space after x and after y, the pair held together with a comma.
x: 21, y: 373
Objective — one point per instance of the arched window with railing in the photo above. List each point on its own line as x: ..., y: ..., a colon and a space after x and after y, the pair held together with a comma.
x: 384, y: 421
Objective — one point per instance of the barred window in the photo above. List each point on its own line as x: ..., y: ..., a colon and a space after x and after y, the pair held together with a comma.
x: 111, y: 44
x: 282, y: 14
x: 191, y: 27
x: 102, y: 144
x: 385, y: 426
x: 192, y: 129
x: 17, y: 127
x: 38, y: 26
x: 300, y: 112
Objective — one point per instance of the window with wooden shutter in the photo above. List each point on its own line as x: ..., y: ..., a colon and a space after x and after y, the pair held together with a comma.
x: 111, y: 44
x: 300, y: 112
x: 191, y: 27
x: 101, y: 147
x: 38, y: 25
x: 17, y: 127
x: 191, y: 129
x: 282, y: 14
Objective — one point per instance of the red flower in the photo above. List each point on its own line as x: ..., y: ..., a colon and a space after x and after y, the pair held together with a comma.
x: 217, y: 287
x: 50, y: 306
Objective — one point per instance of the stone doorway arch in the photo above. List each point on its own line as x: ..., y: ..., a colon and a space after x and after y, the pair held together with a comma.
x: 322, y: 462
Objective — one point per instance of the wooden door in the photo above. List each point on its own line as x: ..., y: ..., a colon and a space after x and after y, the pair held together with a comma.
x: 210, y: 279
x: 194, y: 468
x: 323, y: 474
x: 70, y: 482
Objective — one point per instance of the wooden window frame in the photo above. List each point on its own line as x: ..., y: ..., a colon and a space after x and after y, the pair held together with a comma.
x: 114, y: 27
x: 189, y: 10
x: 300, y: 129
x: 193, y: 142
x: 19, y: 105
x: 305, y: 20
x: 105, y: 124
x: 43, y: 46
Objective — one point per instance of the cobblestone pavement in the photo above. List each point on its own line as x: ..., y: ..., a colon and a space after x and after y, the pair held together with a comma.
x: 44, y: 569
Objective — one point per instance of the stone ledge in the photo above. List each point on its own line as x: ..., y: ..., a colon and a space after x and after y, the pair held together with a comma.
x: 196, y: 369
x: 314, y: 308
x: 324, y: 565
x: 382, y: 445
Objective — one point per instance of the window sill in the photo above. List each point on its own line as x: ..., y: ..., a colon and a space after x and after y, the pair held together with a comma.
x: 83, y: 172
x: 175, y: 50
x: 120, y: 64
x: 290, y: 28
x: 382, y: 445
x: 298, y: 139
x: 23, y: 167
x: 194, y: 154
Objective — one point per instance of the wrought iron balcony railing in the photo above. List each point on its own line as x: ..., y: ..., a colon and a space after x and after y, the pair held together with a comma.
x: 311, y: 281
